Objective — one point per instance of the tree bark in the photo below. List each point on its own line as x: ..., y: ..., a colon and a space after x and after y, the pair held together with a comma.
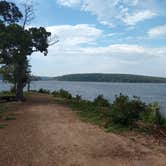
x: 20, y: 85
x: 28, y: 86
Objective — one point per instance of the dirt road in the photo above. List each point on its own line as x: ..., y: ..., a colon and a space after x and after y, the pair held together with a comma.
x: 47, y: 134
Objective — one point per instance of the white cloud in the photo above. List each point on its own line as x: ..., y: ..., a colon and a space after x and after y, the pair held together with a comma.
x: 125, y: 51
x: 138, y: 17
x: 82, y: 39
x: 159, y: 31
x: 69, y: 3
x: 79, y: 40
x: 109, y: 12
x: 74, y: 35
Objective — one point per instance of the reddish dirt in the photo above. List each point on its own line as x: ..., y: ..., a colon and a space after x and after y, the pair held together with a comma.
x: 48, y: 134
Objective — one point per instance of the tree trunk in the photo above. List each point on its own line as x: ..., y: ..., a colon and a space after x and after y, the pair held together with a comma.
x: 20, y: 85
x: 28, y: 86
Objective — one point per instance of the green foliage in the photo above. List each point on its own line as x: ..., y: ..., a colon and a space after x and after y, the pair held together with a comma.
x: 100, y: 101
x: 3, y: 125
x: 16, y: 44
x: 6, y: 93
x: 117, y: 128
x: 44, y: 91
x: 8, y: 118
x: 87, y: 111
x: 9, y: 12
x: 97, y: 77
x: 62, y: 94
x: 78, y: 98
x: 122, y: 115
x: 2, y: 109
x: 152, y: 116
x: 125, y: 111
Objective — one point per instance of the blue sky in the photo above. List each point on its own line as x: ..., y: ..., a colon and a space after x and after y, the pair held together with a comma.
x: 102, y: 36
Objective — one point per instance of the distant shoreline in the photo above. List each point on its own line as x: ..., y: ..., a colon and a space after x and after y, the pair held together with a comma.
x: 99, y: 77
x: 103, y: 82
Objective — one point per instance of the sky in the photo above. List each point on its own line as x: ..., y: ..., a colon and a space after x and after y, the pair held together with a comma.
x: 102, y: 36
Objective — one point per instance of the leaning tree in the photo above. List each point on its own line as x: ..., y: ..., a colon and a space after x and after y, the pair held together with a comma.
x: 17, y: 43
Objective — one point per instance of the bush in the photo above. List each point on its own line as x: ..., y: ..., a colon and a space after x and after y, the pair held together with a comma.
x: 62, y: 93
x: 5, y: 93
x: 13, y: 89
x: 78, y: 98
x: 125, y: 111
x: 153, y: 116
x: 100, y: 101
x: 44, y: 91
x: 123, y: 114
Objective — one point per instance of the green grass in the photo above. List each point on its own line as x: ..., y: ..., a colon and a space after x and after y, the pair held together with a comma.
x: 2, y: 110
x: 4, y: 116
x: 118, y: 129
x: 89, y: 112
x: 3, y: 126
x: 7, y: 118
x: 6, y: 93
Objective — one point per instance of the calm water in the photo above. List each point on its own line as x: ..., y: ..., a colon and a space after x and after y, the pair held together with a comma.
x: 89, y: 90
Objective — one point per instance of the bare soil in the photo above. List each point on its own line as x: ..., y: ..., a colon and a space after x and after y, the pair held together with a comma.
x: 47, y: 134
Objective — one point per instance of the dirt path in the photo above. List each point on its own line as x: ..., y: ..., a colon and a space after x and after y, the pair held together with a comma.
x: 47, y: 134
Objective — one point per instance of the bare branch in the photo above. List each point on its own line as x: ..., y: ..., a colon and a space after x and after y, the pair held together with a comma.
x: 28, y: 12
x: 53, y: 40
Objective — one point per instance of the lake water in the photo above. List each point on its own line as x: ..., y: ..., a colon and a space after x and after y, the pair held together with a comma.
x: 89, y: 90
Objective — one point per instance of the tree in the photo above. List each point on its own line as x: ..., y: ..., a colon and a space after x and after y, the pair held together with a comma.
x: 9, y: 12
x: 17, y: 43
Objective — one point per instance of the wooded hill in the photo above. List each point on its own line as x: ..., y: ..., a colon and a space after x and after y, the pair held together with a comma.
x: 111, y: 78
x: 128, y: 78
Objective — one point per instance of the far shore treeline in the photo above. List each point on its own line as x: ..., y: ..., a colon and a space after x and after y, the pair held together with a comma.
x: 98, y: 77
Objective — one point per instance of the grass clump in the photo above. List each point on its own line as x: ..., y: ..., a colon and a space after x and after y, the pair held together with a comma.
x: 6, y: 93
x: 8, y: 118
x: 3, y: 125
x: 2, y: 110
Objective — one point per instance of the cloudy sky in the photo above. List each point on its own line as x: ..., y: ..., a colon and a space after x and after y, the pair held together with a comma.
x: 102, y: 36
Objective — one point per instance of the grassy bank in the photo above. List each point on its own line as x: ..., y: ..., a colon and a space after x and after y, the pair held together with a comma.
x: 122, y: 114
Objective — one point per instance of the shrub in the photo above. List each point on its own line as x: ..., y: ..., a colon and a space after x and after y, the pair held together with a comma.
x: 5, y: 93
x: 13, y: 89
x: 44, y: 91
x: 78, y: 98
x: 100, y: 101
x: 153, y: 116
x: 62, y: 93
x: 125, y: 111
